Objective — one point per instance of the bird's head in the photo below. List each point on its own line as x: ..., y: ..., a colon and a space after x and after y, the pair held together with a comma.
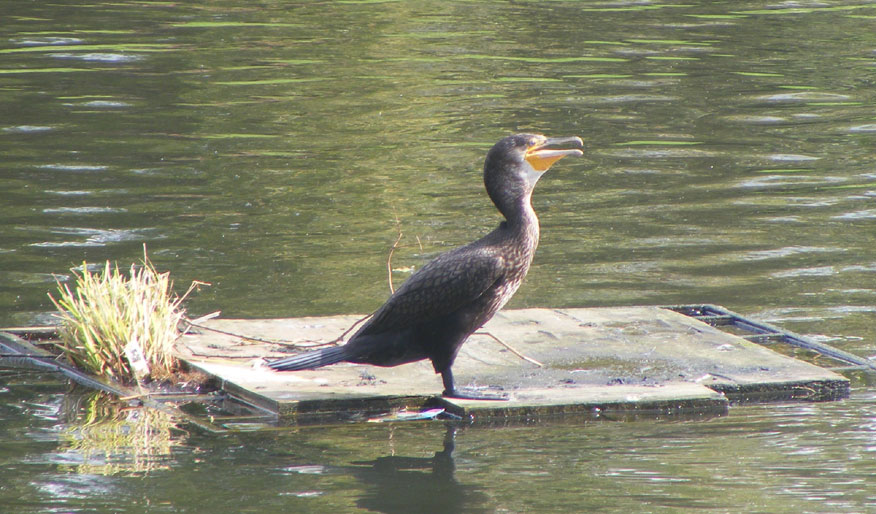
x: 515, y: 163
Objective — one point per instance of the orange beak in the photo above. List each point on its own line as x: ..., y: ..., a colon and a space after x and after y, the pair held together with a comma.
x: 541, y: 158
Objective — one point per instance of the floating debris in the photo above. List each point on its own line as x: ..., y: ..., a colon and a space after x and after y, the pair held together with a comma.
x: 404, y: 415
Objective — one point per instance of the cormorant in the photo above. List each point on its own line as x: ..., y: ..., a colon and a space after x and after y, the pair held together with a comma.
x: 432, y: 314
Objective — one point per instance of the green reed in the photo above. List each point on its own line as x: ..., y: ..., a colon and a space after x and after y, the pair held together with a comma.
x: 110, y: 317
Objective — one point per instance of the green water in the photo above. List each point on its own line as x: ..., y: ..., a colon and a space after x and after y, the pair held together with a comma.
x: 275, y: 150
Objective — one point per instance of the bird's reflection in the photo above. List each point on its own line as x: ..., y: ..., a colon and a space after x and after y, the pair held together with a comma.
x: 417, y: 484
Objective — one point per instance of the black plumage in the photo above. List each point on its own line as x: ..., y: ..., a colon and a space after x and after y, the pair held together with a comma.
x: 432, y: 314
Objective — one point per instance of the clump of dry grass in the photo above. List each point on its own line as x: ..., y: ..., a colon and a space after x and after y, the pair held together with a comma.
x: 118, y: 326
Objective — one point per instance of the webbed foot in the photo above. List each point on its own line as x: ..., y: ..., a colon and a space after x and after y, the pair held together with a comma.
x: 474, y: 394
x: 466, y: 393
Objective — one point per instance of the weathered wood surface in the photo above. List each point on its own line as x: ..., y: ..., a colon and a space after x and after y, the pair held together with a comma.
x: 629, y: 359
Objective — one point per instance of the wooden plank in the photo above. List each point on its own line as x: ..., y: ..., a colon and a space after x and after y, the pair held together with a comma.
x: 627, y: 358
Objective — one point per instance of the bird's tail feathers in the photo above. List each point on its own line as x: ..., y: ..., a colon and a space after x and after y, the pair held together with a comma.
x: 310, y: 360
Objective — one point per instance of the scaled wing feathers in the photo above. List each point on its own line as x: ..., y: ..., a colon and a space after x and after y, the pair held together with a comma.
x: 442, y: 286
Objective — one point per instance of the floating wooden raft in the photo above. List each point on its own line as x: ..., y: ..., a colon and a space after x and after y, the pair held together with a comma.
x: 596, y: 362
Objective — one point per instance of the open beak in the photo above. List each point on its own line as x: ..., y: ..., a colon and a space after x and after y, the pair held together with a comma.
x: 541, y: 156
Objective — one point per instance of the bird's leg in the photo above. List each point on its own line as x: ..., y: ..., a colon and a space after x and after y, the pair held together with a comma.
x: 452, y: 392
x: 447, y: 378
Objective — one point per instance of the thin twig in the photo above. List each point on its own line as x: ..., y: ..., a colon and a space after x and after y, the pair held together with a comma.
x: 392, y: 250
x: 294, y: 344
x: 389, y: 263
x: 511, y: 349
x: 259, y: 339
x: 225, y: 355
x: 354, y: 325
x: 190, y: 323
x: 207, y: 317
x: 27, y: 356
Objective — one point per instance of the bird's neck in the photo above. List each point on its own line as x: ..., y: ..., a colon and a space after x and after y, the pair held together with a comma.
x: 521, y: 220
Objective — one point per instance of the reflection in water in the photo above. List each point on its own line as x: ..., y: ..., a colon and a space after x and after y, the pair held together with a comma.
x: 103, y: 435
x: 776, y: 458
x: 417, y: 484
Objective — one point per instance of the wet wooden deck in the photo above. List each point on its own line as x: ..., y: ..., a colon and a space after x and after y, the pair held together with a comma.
x: 597, y: 362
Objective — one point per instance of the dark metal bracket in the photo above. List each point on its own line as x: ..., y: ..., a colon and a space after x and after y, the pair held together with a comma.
x: 764, y: 333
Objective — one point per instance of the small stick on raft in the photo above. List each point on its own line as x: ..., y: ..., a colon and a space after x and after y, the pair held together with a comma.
x: 198, y: 323
x: 511, y: 348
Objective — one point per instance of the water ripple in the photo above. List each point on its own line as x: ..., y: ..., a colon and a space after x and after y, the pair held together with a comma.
x: 28, y: 129
x: 47, y: 41
x: 788, y: 251
x: 99, y: 57
x: 83, y: 210
x: 633, y: 98
x: 68, y: 193
x: 756, y: 119
x: 92, y: 237
x: 817, y: 271
x: 72, y: 167
x: 805, y: 96
x: 857, y: 215
x: 769, y: 181
x: 870, y: 127
x: 661, y: 153
x: 791, y: 157
x: 110, y: 104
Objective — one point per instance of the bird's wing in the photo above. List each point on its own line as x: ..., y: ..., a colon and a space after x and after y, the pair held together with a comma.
x: 442, y: 286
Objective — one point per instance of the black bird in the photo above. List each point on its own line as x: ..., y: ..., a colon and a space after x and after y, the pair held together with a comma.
x: 432, y: 314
